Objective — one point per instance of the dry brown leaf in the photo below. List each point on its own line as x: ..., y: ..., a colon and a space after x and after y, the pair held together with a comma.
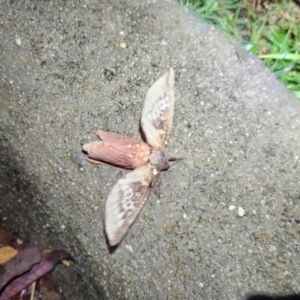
x: 45, y: 266
x: 6, y: 254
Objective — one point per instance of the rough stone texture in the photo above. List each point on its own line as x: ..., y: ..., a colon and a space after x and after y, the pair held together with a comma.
x: 235, y: 123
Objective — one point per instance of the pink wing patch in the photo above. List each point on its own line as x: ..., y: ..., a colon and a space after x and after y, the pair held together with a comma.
x: 119, y: 150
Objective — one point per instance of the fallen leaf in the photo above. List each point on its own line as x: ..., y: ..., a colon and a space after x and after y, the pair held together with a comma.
x: 46, y: 265
x: 7, y: 253
x: 7, y: 236
x: 20, y: 264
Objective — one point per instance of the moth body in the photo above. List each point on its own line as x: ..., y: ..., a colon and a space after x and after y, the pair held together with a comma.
x: 159, y: 160
x: 118, y: 150
x: 130, y: 193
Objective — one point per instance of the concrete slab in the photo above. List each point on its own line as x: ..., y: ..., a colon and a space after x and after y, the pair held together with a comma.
x: 227, y: 222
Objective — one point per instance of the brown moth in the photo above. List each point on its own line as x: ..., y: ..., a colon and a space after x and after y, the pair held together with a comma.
x: 130, y: 193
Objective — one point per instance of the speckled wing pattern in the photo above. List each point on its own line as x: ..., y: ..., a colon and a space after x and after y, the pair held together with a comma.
x: 130, y: 193
x: 158, y: 110
x: 125, y: 202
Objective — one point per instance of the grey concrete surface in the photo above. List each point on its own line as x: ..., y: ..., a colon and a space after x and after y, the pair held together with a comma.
x: 237, y: 126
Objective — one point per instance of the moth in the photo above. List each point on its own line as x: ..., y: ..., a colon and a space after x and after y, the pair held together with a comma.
x: 147, y: 159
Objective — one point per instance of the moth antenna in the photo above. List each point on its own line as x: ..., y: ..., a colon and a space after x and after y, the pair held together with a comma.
x: 175, y: 160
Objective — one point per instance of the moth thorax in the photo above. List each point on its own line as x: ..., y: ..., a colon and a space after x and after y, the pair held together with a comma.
x: 159, y: 160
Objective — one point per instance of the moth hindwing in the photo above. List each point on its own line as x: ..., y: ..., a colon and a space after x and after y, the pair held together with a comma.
x: 125, y: 202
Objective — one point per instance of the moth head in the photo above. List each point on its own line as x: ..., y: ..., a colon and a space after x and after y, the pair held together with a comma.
x: 159, y: 160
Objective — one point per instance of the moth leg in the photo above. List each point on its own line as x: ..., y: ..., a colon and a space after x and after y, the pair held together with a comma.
x: 120, y: 174
x: 155, y: 185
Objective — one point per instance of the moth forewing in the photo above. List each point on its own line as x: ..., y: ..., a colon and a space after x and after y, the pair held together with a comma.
x: 125, y: 202
x: 158, y: 109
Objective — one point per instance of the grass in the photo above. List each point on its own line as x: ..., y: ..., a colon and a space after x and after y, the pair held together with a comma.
x: 268, y: 29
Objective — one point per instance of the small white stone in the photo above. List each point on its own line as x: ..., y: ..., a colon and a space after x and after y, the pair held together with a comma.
x: 184, y: 216
x: 18, y: 41
x: 129, y: 248
x: 62, y: 226
x: 123, y: 45
x: 231, y: 207
x: 241, y: 212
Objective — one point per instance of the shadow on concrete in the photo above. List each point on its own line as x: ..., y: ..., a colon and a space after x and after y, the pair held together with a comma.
x: 19, y: 194
x: 268, y: 297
